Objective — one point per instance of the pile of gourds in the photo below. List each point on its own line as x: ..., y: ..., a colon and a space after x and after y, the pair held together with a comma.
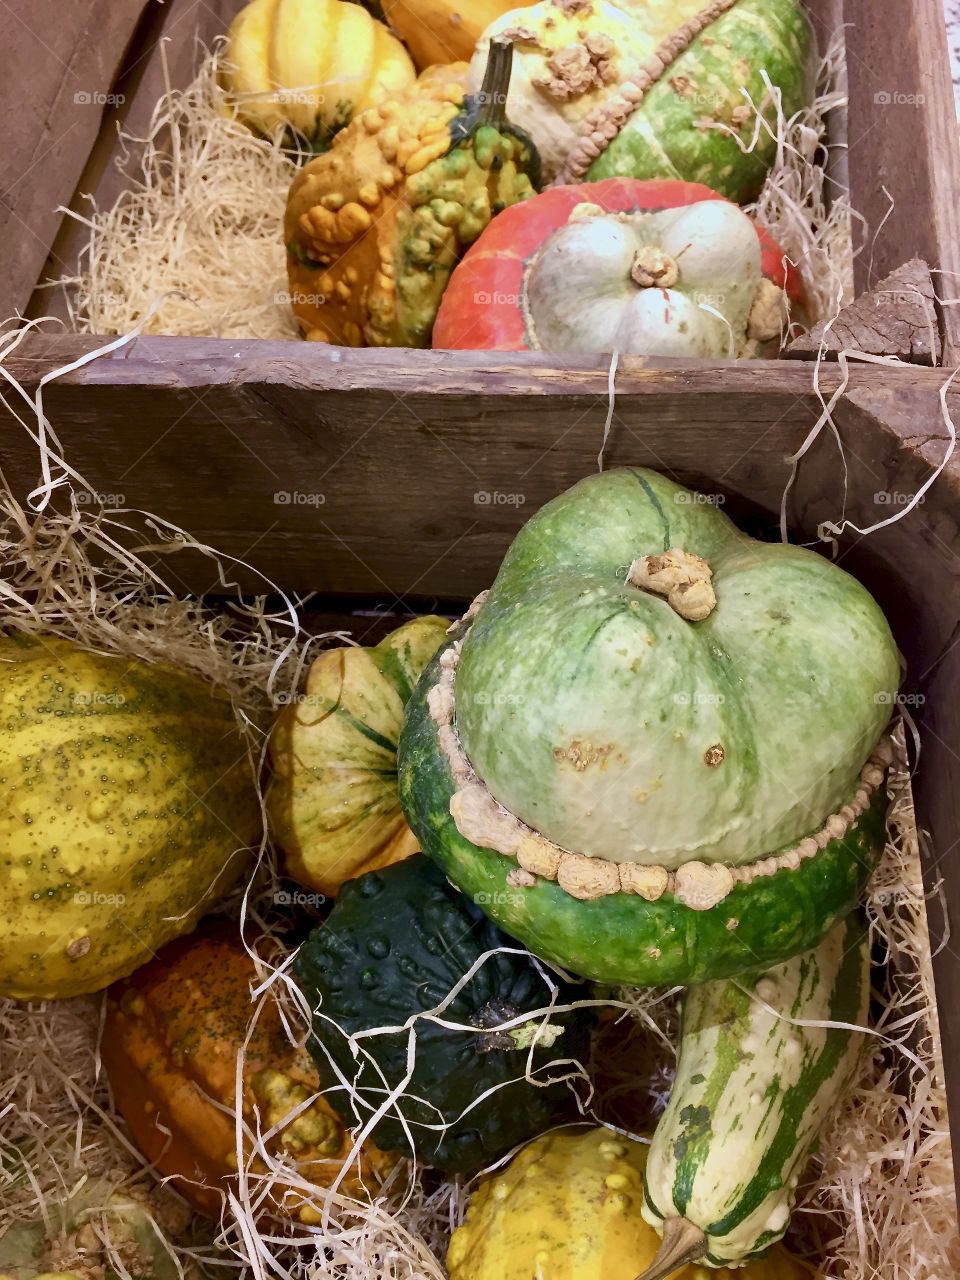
x: 653, y: 753
x: 649, y: 123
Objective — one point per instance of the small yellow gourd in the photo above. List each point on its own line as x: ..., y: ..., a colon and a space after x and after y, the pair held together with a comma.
x: 568, y: 1208
x: 333, y: 801
x: 311, y: 65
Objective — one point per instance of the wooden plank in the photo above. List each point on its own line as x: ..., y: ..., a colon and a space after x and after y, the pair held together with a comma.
x: 382, y: 471
x: 167, y: 52
x: 903, y: 147
x: 62, y: 62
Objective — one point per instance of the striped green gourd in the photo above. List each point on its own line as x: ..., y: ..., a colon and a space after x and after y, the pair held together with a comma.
x: 758, y: 1076
x: 655, y: 88
x: 628, y: 737
x: 673, y: 133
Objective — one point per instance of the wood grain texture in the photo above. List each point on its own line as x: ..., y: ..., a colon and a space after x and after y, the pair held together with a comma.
x: 903, y: 153
x: 166, y: 53
x: 897, y: 317
x: 61, y: 63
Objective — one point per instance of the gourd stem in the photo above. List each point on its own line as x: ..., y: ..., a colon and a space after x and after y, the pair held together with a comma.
x: 492, y: 98
x: 682, y: 1244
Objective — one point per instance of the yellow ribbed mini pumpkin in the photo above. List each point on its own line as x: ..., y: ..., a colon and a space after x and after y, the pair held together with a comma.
x: 333, y: 800
x: 568, y: 1208
x: 311, y: 65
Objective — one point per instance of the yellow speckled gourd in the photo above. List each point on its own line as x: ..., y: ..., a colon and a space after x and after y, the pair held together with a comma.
x: 568, y: 1208
x: 311, y: 65
x: 333, y: 801
x: 376, y: 225
x: 129, y: 804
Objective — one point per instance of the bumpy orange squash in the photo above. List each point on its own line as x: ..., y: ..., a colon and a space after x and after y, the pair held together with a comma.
x: 172, y: 1036
x: 374, y: 227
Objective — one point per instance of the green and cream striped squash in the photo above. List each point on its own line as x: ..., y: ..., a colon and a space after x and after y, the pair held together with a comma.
x: 333, y: 803
x: 693, y: 121
x: 757, y: 1079
x: 618, y: 730
x: 129, y: 806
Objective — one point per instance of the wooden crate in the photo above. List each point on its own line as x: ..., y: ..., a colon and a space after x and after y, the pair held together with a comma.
x: 398, y: 478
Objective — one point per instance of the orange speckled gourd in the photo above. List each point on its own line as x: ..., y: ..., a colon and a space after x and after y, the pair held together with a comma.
x: 170, y: 1045
x: 376, y: 225
x: 568, y: 1208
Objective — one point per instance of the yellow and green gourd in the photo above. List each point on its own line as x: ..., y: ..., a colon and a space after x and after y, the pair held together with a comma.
x: 655, y: 88
x: 375, y: 226
x: 129, y: 807
x: 568, y: 1208
x: 333, y: 801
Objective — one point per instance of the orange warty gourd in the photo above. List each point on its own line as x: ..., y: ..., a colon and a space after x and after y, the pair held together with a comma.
x: 375, y: 226
x: 170, y: 1044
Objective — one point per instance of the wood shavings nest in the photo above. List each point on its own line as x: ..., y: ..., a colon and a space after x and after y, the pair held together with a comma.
x: 202, y: 220
x: 879, y: 1203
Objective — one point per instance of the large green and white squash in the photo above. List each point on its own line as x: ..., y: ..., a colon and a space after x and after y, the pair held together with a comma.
x: 640, y: 796
x: 647, y: 89
x: 129, y: 808
x: 764, y: 1063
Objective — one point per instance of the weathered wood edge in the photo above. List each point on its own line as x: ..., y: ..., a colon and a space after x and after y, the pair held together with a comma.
x: 171, y: 362
x: 903, y: 151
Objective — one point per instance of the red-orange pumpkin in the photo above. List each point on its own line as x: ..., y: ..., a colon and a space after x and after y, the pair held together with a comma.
x: 170, y: 1044
x: 646, y: 268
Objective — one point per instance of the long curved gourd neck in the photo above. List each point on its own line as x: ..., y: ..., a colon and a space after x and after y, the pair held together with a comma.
x: 492, y: 99
x: 682, y: 1244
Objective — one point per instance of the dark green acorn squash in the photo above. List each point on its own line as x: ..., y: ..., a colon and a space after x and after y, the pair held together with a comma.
x: 395, y: 944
